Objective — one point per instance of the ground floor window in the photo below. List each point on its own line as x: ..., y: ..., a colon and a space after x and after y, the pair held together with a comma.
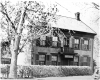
x: 42, y: 59
x: 54, y: 59
x: 85, y: 61
x: 76, y: 60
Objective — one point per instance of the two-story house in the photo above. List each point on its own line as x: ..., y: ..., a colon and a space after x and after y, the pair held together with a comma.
x: 74, y: 46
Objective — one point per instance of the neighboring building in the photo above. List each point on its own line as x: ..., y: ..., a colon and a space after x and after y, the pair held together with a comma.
x: 71, y: 48
x: 5, y: 53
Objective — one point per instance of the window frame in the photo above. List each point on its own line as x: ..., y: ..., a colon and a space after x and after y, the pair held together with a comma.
x: 41, y: 43
x: 55, y: 46
x: 85, y: 46
x: 53, y: 62
x: 66, y: 41
x: 53, y: 43
x: 76, y: 44
x: 42, y: 61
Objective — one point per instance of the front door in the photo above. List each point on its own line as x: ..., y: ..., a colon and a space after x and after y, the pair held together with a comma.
x: 68, y: 61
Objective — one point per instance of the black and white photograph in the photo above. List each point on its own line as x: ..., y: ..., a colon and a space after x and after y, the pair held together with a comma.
x: 49, y: 40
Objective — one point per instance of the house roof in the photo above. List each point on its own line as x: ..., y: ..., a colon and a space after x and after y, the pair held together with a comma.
x: 72, y: 24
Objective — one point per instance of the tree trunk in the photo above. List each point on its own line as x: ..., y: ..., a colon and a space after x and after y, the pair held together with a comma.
x: 14, y: 52
x: 13, y: 66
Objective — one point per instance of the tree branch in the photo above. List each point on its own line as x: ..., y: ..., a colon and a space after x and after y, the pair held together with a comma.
x: 23, y: 45
x: 6, y: 14
x: 96, y: 6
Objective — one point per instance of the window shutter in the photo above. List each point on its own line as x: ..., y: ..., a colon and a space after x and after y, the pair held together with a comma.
x: 82, y: 44
x: 70, y: 42
x: 50, y: 38
x: 73, y: 42
x: 38, y: 42
x: 48, y: 57
x: 37, y: 56
x: 88, y: 61
x: 47, y: 41
x: 81, y: 60
x: 62, y: 43
x: 90, y: 44
x: 59, y: 43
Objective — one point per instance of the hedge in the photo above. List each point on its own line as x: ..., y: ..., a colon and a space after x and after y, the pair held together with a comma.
x: 48, y: 71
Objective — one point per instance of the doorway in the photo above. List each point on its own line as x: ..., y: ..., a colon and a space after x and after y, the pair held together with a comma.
x: 68, y: 61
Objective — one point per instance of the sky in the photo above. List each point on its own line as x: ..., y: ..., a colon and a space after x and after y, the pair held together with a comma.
x: 88, y: 14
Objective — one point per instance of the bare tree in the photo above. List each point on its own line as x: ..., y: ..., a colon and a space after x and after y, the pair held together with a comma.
x: 13, y: 21
x: 96, y: 6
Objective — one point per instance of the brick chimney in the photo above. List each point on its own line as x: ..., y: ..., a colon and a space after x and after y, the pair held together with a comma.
x: 77, y: 15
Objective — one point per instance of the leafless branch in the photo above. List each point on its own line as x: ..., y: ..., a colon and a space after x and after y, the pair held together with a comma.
x: 4, y: 11
x: 23, y: 44
x: 96, y: 6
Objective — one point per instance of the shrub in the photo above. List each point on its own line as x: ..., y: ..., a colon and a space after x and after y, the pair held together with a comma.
x: 48, y: 71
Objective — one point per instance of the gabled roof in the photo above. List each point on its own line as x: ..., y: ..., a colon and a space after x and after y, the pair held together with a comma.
x: 72, y: 24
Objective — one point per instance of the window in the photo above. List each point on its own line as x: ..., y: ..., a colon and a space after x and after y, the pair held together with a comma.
x: 42, y: 59
x: 54, y: 59
x: 54, y: 41
x: 66, y: 41
x: 76, y: 43
x: 76, y: 58
x: 85, y: 44
x: 43, y: 40
x: 85, y: 59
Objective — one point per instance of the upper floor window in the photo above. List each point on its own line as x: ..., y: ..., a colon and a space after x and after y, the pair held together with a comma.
x: 43, y: 40
x: 85, y: 44
x: 54, y: 41
x: 76, y: 43
x: 66, y: 41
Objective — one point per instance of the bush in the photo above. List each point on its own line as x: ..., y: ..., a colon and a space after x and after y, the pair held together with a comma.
x: 49, y: 71
x: 4, y: 70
